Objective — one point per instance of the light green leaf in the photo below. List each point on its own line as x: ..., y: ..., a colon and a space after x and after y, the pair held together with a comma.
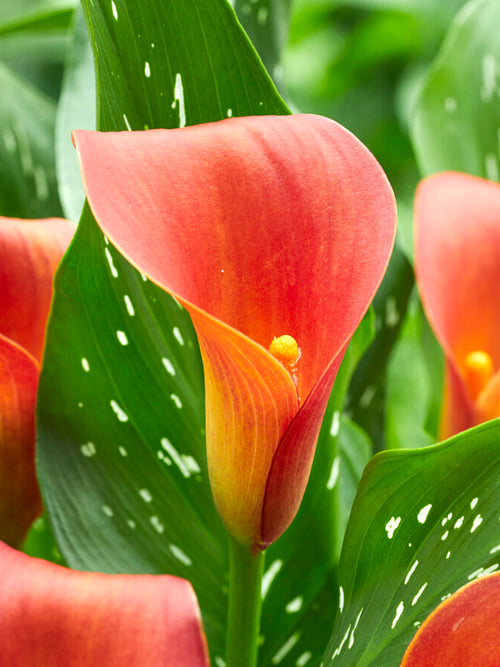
x: 424, y: 523
x: 456, y: 119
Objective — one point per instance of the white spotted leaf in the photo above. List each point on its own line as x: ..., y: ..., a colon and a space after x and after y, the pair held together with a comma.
x: 423, y: 524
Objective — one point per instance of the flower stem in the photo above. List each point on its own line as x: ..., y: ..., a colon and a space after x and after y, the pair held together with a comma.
x: 245, y: 577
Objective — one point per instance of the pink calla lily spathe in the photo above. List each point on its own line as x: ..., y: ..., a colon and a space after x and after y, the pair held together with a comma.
x: 53, y: 616
x: 261, y: 227
x: 462, y: 631
x: 30, y: 251
x: 457, y: 264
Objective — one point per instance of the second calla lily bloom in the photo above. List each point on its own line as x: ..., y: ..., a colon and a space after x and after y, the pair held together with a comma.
x: 457, y: 261
x: 30, y: 251
x: 265, y: 229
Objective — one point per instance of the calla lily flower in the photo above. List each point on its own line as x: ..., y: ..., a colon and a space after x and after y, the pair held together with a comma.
x: 54, y: 616
x: 457, y: 263
x: 274, y: 233
x: 462, y: 631
x: 30, y: 251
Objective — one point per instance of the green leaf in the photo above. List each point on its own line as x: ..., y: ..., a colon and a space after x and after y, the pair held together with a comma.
x: 424, y: 523
x: 27, y: 170
x: 456, y: 119
x: 76, y: 110
x: 121, y: 454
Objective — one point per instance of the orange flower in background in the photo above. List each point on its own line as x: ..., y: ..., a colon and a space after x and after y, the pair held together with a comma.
x: 462, y: 631
x: 457, y: 264
x: 30, y: 251
x: 274, y: 233
x: 51, y: 615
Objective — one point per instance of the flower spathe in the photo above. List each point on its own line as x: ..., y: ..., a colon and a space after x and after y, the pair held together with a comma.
x: 262, y: 227
x: 457, y: 263
x: 462, y: 631
x: 51, y: 615
x: 30, y: 251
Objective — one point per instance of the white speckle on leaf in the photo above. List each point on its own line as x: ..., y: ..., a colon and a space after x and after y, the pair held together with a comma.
x: 229, y: 113
x: 334, y: 473
x: 175, y: 456
x: 445, y: 535
x: 341, y: 599
x: 122, y: 337
x: 157, y: 524
x: 424, y: 513
x: 131, y: 524
x: 147, y: 70
x: 399, y: 611
x: 303, y: 659
x: 191, y: 464
x: 351, y: 638
x: 294, y: 605
x: 459, y: 523
x: 417, y: 596
x: 122, y: 450
x: 178, y: 553
x: 112, y: 267
x: 176, y: 400
x: 392, y: 525
x: 107, y: 510
x: 473, y: 503
x: 269, y: 576
x: 129, y: 305
x: 411, y: 571
x: 122, y: 416
x: 448, y: 554
x: 85, y: 365
x: 179, y: 99
x: 127, y: 124
x: 169, y: 367
x: 146, y: 495
x: 285, y: 649
x: 335, y: 425
x: 478, y: 520
x: 88, y: 449
x: 495, y: 549
x: 178, y: 336
x: 114, y: 10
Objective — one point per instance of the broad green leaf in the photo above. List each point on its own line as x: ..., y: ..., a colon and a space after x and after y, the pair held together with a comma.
x: 76, y: 110
x: 456, y: 119
x: 414, y: 384
x: 121, y: 456
x: 424, y: 523
x: 27, y: 170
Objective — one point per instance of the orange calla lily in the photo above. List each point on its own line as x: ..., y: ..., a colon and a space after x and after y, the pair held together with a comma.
x: 30, y: 251
x: 264, y: 228
x: 457, y: 263
x: 53, y: 616
x: 462, y: 631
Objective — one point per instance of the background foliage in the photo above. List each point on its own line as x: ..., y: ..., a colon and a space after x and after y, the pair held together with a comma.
x: 121, y: 442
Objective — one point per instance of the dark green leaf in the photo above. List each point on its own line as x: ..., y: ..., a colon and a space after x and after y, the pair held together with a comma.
x: 424, y: 523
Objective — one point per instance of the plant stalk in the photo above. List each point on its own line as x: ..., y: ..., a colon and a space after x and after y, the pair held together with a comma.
x: 245, y: 578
